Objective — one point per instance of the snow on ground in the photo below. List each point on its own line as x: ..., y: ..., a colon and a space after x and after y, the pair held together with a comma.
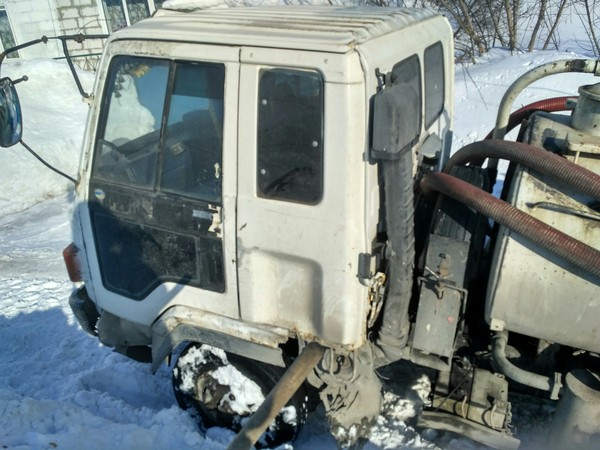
x: 59, y: 388
x: 54, y: 118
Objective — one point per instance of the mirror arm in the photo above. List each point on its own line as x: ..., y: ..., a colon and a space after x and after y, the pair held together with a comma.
x: 41, y: 40
x: 40, y: 159
x: 79, y: 38
x: 19, y: 80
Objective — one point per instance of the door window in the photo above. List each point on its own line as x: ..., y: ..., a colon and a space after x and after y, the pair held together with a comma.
x: 290, y: 136
x: 406, y: 80
x: 127, y: 150
x: 434, y: 82
x: 166, y: 115
x: 194, y: 133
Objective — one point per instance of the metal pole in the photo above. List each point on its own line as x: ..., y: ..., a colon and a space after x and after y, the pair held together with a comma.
x: 537, y: 73
x: 285, y: 388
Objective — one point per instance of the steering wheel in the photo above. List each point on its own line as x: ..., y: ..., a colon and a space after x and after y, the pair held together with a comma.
x: 287, y: 178
x: 120, y: 163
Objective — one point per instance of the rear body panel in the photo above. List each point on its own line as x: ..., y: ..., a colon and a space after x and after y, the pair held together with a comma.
x: 530, y: 282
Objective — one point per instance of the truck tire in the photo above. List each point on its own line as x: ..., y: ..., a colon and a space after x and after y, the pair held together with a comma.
x: 222, y: 389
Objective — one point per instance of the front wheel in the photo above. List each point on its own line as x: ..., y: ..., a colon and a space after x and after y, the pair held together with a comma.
x: 224, y: 389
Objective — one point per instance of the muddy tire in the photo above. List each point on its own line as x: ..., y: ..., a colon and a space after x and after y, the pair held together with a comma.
x: 221, y: 389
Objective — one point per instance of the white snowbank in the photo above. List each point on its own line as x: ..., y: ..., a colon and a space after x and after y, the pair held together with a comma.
x: 54, y: 119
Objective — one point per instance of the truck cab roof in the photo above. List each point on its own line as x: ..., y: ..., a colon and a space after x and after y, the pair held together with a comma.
x: 318, y: 28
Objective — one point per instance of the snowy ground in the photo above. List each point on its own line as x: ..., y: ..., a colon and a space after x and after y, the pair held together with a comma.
x: 60, y: 389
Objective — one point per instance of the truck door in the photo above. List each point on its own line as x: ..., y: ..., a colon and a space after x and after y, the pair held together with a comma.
x: 300, y: 193
x: 160, y: 190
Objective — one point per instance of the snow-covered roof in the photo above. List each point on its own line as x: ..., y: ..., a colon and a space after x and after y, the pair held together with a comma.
x: 319, y: 28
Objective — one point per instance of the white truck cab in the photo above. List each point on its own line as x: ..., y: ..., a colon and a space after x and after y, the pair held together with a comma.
x: 229, y: 193
x: 227, y: 177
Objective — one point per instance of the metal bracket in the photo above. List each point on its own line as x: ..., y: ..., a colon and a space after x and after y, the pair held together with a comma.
x: 376, y: 295
x: 442, y: 299
x: 472, y: 402
x: 477, y: 432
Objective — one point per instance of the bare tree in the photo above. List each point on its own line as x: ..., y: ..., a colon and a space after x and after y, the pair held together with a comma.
x: 511, y: 22
x: 417, y: 4
x: 543, y: 5
x: 482, y: 24
x: 555, y: 21
x: 591, y: 20
x: 462, y: 15
x: 498, y: 33
x: 386, y: 3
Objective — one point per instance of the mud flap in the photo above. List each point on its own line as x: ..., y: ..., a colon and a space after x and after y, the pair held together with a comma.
x: 351, y: 393
x: 84, y: 310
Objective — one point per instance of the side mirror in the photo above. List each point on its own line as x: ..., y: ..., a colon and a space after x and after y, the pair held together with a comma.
x: 11, y: 123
